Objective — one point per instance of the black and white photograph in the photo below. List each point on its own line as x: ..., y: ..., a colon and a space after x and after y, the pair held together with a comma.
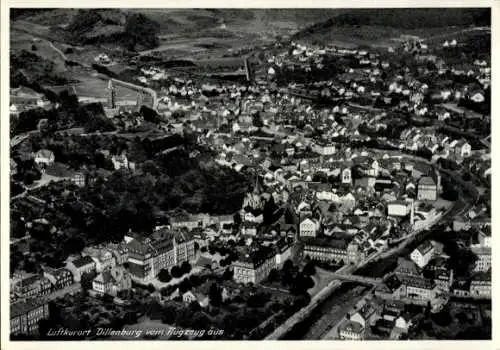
x: 249, y: 174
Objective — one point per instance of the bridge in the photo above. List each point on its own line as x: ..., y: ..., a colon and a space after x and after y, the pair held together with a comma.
x: 358, y: 279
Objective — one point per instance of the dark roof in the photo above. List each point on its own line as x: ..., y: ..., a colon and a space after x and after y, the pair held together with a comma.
x: 426, y: 180
x: 325, y: 242
x: 84, y: 260
x: 425, y: 247
x: 22, y: 307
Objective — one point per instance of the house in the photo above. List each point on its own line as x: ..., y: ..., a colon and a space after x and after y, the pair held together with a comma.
x: 401, y: 326
x: 111, y: 281
x: 254, y: 266
x: 422, y: 254
x: 44, y: 158
x: 406, y: 267
x: 80, y: 266
x: 324, y: 149
x: 427, y: 189
x: 120, y: 162
x: 484, y: 237
x: 350, y: 330
x: 59, y: 278
x: 483, y: 262
x: 419, y: 288
x: 200, y: 298
x: 346, y: 176
x: 309, y: 227
x: 463, y: 149
x: 480, y: 286
x: 32, y: 286
x: 365, y: 315
x: 25, y: 315
x: 398, y: 208
x: 249, y: 228
x: 103, y: 258
x: 79, y: 179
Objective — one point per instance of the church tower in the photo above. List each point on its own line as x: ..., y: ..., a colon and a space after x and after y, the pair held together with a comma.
x: 139, y: 101
x: 111, y: 95
x: 254, y: 199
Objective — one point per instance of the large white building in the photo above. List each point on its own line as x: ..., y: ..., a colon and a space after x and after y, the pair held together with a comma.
x: 422, y: 254
x: 309, y: 227
x: 163, y: 250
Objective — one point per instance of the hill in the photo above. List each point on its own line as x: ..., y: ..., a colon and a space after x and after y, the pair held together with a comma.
x: 373, y: 26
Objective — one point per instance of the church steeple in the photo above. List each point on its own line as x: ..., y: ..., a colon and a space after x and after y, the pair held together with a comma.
x: 257, y: 188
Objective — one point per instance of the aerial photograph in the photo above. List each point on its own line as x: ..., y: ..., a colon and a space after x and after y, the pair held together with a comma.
x: 250, y: 174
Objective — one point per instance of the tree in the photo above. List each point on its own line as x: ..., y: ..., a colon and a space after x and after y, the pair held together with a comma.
x: 86, y: 280
x: 287, y: 265
x: 215, y: 295
x: 169, y: 314
x: 228, y: 274
x: 273, y: 275
x: 428, y: 310
x: 185, y: 267
x: 185, y: 285
x: 309, y: 268
x: 164, y: 276
x: 176, y: 272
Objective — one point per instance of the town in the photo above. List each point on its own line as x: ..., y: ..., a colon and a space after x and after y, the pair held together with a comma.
x: 309, y: 191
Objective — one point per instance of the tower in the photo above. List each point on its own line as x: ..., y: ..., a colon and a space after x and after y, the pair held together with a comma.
x: 412, y: 212
x: 139, y: 101
x: 111, y: 95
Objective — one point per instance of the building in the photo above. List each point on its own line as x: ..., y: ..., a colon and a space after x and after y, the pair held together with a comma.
x: 59, y: 278
x: 484, y: 237
x: 398, y: 208
x: 44, y: 158
x: 419, y: 288
x: 326, y: 249
x: 422, y: 254
x: 324, y: 149
x: 121, y: 162
x: 346, y: 176
x: 254, y: 199
x: 79, y: 179
x: 254, y: 266
x: 283, y: 252
x: 103, y: 258
x: 25, y: 314
x: 32, y: 287
x: 480, y: 286
x: 365, y: 315
x: 111, y: 281
x: 162, y: 250
x: 483, y: 262
x: 111, y: 95
x: 427, y: 189
x: 350, y: 330
x: 309, y: 227
x: 80, y: 266
x: 200, y: 298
